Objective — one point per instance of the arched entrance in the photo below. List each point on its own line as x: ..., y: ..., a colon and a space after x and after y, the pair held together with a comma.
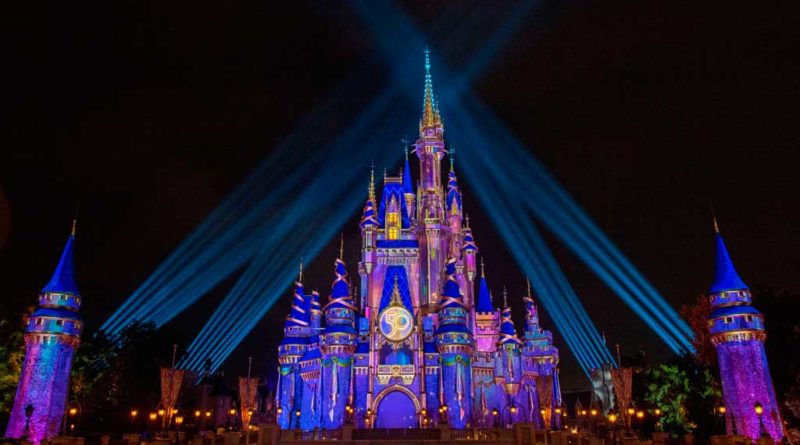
x: 397, y: 407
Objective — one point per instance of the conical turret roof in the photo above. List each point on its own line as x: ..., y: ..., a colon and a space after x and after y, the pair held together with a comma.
x: 63, y: 279
x: 725, y: 277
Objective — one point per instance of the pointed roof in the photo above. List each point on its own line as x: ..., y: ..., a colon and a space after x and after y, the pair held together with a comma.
x: 340, y: 289
x: 63, y: 279
x: 300, y: 312
x: 451, y: 294
x: 507, y: 331
x: 407, y: 187
x: 453, y: 192
x: 725, y: 277
x: 484, y: 297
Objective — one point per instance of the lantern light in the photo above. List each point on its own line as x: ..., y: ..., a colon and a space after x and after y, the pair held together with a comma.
x: 640, y: 415
x: 759, y: 408
x: 197, y: 413
x: 722, y: 409
x: 161, y: 412
x: 178, y: 420
x: 153, y: 416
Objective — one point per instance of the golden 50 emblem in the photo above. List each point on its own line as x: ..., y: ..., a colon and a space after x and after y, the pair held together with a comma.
x: 396, y: 323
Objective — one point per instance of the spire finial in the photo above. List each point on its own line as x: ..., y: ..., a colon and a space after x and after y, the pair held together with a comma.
x: 404, y: 141
x: 713, y: 216
x: 300, y: 274
x: 74, y: 227
x: 483, y: 270
x: 427, y: 105
x: 528, y: 281
x: 466, y: 220
x: 341, y: 246
x: 371, y: 188
x: 452, y: 153
x: 505, y: 297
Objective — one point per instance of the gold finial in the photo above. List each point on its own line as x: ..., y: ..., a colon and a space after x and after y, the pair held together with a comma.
x: 395, y: 300
x: 341, y: 247
x: 466, y: 220
x: 713, y: 216
x: 74, y: 227
x: 371, y: 189
x: 483, y: 270
x: 428, y: 112
x: 404, y: 141
x: 452, y: 153
x: 528, y: 281
x: 505, y: 297
x: 300, y: 275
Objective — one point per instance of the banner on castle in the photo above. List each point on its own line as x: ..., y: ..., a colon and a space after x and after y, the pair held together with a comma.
x: 171, y: 380
x: 622, y: 379
x: 248, y: 388
x: 544, y: 391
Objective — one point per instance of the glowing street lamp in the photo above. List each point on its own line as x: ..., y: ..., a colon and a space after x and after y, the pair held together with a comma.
x: 197, y: 413
x: 153, y: 416
x: 612, y: 418
x: 594, y: 413
x: 161, y: 412
x: 178, y: 420
x: 759, y: 409
x: 134, y: 413
x: 722, y: 410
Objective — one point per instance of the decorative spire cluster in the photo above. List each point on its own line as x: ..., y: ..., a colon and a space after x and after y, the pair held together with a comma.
x: 430, y: 107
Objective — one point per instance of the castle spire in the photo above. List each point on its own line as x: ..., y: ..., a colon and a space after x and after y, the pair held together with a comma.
x: 484, y: 296
x: 428, y: 112
x: 63, y: 279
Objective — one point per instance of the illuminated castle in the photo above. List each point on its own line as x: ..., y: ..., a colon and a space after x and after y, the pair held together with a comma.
x: 51, y: 337
x: 737, y: 331
x: 417, y: 347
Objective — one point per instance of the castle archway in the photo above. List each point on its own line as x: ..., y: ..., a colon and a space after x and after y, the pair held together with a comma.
x: 396, y: 407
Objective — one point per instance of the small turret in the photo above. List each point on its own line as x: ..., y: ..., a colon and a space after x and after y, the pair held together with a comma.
x: 338, y: 345
x: 469, y: 251
x: 455, y: 344
x: 408, y: 188
x: 487, y: 318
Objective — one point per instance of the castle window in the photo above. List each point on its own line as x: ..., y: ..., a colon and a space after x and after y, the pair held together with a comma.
x: 39, y: 321
x: 728, y: 320
x: 749, y: 318
x: 59, y: 322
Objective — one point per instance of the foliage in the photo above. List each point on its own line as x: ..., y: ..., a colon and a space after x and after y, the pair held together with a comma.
x: 685, y: 390
x: 696, y: 315
x: 111, y: 377
x: 12, y: 353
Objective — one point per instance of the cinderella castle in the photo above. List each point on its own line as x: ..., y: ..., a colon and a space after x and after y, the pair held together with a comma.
x: 419, y: 346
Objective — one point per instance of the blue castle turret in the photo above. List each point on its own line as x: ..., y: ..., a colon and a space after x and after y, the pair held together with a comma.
x: 540, y: 368
x: 455, y: 344
x: 294, y: 345
x: 737, y: 331
x: 51, y: 337
x: 309, y: 368
x: 338, y: 345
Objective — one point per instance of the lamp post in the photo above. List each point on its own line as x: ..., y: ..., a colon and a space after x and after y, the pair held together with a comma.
x: 73, y: 409
x: 28, y: 413
x: 759, y: 409
x: 494, y: 416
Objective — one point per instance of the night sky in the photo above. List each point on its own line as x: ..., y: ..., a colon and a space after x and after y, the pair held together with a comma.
x: 150, y: 113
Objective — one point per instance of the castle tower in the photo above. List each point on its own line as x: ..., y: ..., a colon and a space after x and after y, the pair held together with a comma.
x: 309, y: 370
x: 540, y: 367
x: 737, y: 331
x: 454, y: 342
x: 338, y: 345
x: 487, y: 318
x: 433, y: 231
x: 51, y: 337
x: 294, y: 345
x: 508, y: 367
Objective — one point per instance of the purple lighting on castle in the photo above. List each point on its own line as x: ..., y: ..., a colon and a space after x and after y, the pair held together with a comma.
x: 51, y: 338
x: 737, y: 331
